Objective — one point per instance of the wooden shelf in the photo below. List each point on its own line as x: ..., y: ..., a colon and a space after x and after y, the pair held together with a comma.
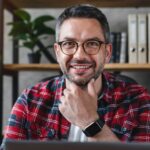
x: 29, y: 67
x: 65, y: 3
x: 50, y: 67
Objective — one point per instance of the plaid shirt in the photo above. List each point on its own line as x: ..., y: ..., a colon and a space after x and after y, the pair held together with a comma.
x: 124, y: 106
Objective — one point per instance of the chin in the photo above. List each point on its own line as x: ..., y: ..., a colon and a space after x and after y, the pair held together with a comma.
x: 80, y: 81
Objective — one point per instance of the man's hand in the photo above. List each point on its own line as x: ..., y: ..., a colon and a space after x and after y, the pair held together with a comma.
x: 79, y: 106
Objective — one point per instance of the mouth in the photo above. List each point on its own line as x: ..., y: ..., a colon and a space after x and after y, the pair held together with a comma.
x: 81, y: 69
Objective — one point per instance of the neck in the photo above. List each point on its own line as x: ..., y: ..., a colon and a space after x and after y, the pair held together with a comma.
x: 98, y: 84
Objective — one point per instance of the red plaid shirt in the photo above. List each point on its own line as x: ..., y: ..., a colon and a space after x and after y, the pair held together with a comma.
x: 124, y: 106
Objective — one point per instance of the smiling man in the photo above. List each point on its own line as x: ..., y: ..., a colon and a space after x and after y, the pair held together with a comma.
x: 82, y: 50
x: 85, y: 103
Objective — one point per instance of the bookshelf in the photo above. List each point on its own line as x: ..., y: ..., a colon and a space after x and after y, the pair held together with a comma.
x: 13, y: 69
x: 65, y: 3
x: 53, y: 67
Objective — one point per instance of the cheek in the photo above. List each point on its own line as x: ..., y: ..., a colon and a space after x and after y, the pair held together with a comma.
x: 63, y: 59
x: 59, y: 56
x: 100, y: 59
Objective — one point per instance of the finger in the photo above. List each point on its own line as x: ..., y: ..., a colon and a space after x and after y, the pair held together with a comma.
x: 70, y: 85
x: 66, y: 92
x: 62, y: 104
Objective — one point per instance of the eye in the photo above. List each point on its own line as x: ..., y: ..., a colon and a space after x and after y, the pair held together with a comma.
x: 68, y: 44
x: 92, y: 44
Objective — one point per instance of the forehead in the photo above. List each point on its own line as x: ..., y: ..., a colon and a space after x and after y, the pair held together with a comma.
x: 81, y: 29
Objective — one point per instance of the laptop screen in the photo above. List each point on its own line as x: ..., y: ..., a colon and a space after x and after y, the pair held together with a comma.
x: 58, y: 145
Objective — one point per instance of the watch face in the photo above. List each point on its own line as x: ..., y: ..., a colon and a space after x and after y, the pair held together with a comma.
x: 94, y: 128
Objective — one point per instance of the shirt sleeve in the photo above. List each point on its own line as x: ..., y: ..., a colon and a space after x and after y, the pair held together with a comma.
x: 142, y: 132
x: 15, y: 128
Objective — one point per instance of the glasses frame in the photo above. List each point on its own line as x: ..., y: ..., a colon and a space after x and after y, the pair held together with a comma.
x: 82, y: 44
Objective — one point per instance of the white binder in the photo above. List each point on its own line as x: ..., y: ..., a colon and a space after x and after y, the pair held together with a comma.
x: 142, y: 38
x: 132, y: 39
x: 148, y: 37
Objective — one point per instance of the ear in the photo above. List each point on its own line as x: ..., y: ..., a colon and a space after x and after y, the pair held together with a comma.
x: 56, y: 49
x: 108, y: 53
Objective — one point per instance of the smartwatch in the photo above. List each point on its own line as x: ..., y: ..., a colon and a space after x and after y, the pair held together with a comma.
x: 94, y: 128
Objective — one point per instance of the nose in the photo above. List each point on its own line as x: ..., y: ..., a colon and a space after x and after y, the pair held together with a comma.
x: 80, y: 53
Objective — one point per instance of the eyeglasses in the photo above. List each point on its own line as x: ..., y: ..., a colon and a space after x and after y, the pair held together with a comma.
x: 90, y: 47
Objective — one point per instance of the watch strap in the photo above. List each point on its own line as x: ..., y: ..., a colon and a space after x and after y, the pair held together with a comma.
x: 94, y: 128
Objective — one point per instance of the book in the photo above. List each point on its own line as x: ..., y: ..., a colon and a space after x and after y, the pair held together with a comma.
x: 115, y: 38
x: 118, y: 46
x: 123, y: 48
x: 142, y: 38
x: 113, y: 42
x: 132, y: 38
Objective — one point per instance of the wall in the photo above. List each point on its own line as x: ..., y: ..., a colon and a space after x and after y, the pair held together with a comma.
x: 117, y: 18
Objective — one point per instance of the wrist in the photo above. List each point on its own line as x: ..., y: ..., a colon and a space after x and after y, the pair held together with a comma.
x: 93, y: 128
x: 89, y: 121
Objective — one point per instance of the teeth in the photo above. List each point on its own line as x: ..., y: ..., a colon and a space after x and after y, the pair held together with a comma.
x: 81, y: 67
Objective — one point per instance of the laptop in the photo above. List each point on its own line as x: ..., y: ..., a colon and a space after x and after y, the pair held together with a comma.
x: 55, y: 145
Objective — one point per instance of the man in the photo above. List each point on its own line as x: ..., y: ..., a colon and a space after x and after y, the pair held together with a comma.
x: 86, y: 103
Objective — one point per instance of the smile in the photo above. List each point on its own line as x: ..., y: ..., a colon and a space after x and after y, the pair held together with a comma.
x: 81, y: 67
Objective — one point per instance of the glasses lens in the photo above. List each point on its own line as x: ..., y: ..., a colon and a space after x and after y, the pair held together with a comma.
x: 68, y: 47
x: 92, y: 47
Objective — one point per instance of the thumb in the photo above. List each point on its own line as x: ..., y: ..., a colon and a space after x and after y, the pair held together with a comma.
x: 91, y: 88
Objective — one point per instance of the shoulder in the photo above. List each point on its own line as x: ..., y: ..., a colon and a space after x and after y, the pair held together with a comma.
x: 121, y: 81
x: 124, y: 88
x: 125, y: 97
x: 44, y: 89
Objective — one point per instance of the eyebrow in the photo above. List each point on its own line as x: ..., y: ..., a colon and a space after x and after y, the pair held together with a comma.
x: 94, y: 38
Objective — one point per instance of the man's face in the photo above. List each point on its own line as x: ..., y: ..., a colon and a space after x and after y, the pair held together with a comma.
x: 81, y: 67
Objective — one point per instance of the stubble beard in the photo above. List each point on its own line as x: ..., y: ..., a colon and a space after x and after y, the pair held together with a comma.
x: 83, y: 82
